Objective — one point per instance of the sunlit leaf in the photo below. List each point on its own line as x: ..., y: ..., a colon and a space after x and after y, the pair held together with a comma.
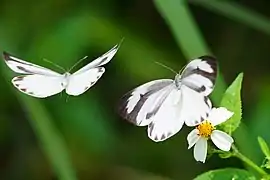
x: 232, y: 101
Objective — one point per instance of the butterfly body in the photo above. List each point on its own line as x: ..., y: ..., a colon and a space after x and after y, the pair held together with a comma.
x: 177, y: 81
x: 164, y: 105
x: 65, y: 79
x: 41, y: 82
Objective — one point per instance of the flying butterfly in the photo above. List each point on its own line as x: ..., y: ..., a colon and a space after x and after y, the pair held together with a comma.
x: 165, y: 105
x: 41, y: 82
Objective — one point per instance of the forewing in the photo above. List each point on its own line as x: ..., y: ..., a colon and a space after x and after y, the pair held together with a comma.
x: 138, y: 105
x: 23, y: 67
x: 200, y: 74
x: 104, y: 59
x: 195, y: 106
x: 38, y: 85
x: 80, y: 82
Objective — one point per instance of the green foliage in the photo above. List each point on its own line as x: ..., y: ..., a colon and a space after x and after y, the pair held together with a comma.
x: 232, y: 101
x: 264, y: 147
x: 228, y: 173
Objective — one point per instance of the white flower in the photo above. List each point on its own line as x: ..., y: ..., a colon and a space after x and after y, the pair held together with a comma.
x: 206, y: 130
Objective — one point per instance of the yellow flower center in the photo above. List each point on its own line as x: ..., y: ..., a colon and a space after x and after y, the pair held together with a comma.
x: 205, y: 129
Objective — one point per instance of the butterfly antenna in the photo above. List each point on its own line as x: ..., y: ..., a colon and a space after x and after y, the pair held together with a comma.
x: 181, y: 70
x: 78, y: 62
x: 56, y: 65
x: 166, y: 67
x: 121, y: 41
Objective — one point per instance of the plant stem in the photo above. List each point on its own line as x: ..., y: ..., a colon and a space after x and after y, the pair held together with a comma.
x: 246, y: 160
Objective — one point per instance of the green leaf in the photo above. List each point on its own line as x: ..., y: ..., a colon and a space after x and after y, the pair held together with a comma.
x: 232, y: 101
x: 264, y: 147
x: 228, y: 173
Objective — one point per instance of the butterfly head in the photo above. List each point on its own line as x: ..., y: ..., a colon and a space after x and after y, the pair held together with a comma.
x: 67, y: 74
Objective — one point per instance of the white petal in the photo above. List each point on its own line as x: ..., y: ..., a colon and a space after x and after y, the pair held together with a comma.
x: 219, y: 115
x: 192, y: 138
x: 200, y: 150
x: 168, y: 120
x: 222, y: 140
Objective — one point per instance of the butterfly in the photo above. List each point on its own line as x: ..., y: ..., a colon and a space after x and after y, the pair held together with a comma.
x: 41, y: 82
x: 164, y: 105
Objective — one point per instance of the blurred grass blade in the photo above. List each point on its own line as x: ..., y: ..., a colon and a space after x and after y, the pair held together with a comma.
x: 187, y: 35
x: 183, y: 27
x: 237, y: 12
x: 50, y: 139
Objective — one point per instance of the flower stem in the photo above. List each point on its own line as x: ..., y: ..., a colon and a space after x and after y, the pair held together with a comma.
x: 249, y: 162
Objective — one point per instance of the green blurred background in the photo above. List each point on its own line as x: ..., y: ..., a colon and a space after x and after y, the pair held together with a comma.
x: 84, y: 138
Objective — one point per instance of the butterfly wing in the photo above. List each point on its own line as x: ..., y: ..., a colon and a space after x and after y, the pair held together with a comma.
x: 39, y: 86
x: 23, y: 67
x: 87, y: 76
x: 139, y: 104
x: 157, y: 104
x: 168, y: 120
x: 200, y: 75
x: 38, y: 82
x: 195, y: 106
x: 178, y: 106
x: 102, y: 60
x: 81, y: 82
x: 197, y: 82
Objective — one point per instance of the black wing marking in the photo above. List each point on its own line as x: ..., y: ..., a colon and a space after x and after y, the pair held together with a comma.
x: 143, y: 92
x: 23, y: 67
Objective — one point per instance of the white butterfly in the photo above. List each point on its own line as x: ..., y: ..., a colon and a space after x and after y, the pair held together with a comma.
x: 165, y: 105
x: 41, y: 82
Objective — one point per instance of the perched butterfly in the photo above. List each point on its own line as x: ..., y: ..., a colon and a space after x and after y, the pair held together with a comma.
x: 41, y: 82
x: 165, y: 105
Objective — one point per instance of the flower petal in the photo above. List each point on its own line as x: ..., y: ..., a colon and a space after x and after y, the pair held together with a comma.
x: 222, y: 140
x: 200, y: 150
x: 192, y: 138
x: 219, y: 115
